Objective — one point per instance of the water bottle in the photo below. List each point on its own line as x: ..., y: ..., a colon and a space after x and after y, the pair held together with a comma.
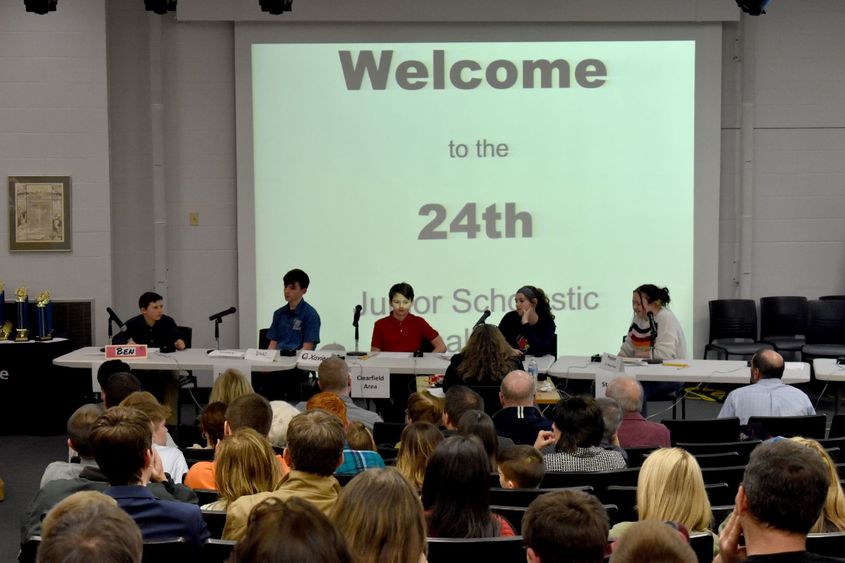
x: 532, y: 368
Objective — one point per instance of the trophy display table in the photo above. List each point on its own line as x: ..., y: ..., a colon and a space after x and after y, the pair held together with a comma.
x: 37, y: 397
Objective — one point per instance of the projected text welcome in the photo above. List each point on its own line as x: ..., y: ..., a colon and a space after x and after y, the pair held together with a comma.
x: 465, y: 74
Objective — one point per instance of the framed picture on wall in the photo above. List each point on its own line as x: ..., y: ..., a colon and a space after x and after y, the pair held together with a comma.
x: 39, y: 213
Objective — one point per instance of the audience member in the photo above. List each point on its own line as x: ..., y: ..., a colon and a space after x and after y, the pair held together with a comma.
x: 359, y: 438
x: 567, y: 526
x: 172, y: 457
x: 78, y: 429
x: 670, y: 487
x: 354, y: 461
x: 611, y: 415
x: 381, y: 517
x: 290, y: 530
x: 89, y: 526
x: 781, y: 496
x: 519, y: 419
x: 485, y: 359
x: 424, y: 407
x: 653, y: 541
x: 122, y: 442
x: 458, y: 400
x: 109, y: 368
x: 245, y: 464
x: 333, y: 376
x: 576, y: 433
x: 117, y: 387
x: 283, y: 412
x: 521, y: 467
x: 767, y: 395
x: 247, y: 411
x: 314, y: 451
x: 212, y: 423
x: 479, y: 424
x: 418, y: 442
x: 832, y: 517
x: 229, y: 386
x: 635, y: 431
x: 455, y: 492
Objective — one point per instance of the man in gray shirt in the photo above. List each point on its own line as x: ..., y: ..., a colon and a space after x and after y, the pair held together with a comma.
x: 333, y: 376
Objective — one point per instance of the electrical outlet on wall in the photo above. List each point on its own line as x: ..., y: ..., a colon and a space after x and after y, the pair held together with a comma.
x: 194, y: 218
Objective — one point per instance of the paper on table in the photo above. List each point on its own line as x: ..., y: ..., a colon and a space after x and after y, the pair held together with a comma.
x: 226, y: 354
x: 394, y: 355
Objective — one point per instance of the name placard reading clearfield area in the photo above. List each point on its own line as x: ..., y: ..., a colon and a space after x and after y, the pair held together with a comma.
x: 371, y: 383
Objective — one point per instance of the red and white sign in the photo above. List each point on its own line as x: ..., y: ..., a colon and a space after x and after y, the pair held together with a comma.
x: 126, y: 352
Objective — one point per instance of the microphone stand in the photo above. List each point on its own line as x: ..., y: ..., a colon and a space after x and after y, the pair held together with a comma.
x: 356, y: 352
x: 217, y: 322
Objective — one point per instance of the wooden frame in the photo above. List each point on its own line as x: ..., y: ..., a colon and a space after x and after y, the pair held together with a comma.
x: 39, y: 213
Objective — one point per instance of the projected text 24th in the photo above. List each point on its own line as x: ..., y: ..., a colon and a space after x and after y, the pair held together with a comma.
x: 467, y: 221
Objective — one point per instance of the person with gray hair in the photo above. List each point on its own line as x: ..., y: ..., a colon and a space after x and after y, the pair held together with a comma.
x: 333, y: 376
x: 519, y: 419
x: 635, y: 431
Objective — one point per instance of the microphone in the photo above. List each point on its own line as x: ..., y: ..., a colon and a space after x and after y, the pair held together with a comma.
x: 221, y: 314
x: 483, y: 318
x: 114, y: 318
x: 357, y: 315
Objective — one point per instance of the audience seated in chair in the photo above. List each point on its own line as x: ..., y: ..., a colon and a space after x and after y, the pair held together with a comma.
x: 117, y: 387
x: 380, y: 514
x: 611, y: 415
x: 565, y: 526
x: 832, y: 517
x: 333, y: 376
x: 767, y: 395
x: 576, y: 433
x: 78, y: 429
x: 635, y: 431
x: 314, y: 451
x: 283, y: 412
x: 293, y: 530
x: 419, y: 439
x: 485, y: 359
x: 359, y: 437
x: 458, y: 400
x: 479, y: 424
x: 171, y: 457
x: 212, y: 424
x: 245, y: 464
x: 519, y: 419
x: 670, y: 487
x: 122, y: 439
x: 520, y: 467
x: 781, y: 496
x: 424, y: 407
x: 229, y: 386
x: 455, y: 492
x: 89, y: 526
x: 109, y: 368
x: 354, y: 461
x: 247, y: 411
x: 653, y: 540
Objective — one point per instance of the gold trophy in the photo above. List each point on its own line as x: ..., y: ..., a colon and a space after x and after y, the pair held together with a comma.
x: 22, y: 302
x: 5, y: 326
x: 44, y: 321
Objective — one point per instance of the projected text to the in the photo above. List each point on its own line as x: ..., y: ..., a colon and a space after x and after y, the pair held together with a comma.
x: 483, y: 149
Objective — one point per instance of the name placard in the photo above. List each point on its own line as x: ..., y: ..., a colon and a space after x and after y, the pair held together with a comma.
x: 371, y: 383
x: 258, y: 355
x: 126, y: 352
x: 311, y: 359
x: 612, y: 363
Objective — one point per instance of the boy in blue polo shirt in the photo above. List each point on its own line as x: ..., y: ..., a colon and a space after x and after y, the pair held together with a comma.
x: 296, y: 325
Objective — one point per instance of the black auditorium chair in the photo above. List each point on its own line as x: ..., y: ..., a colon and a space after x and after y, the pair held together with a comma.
x: 524, y: 497
x: 215, y: 520
x: 831, y: 544
x: 387, y: 433
x: 720, y: 459
x: 703, y: 430
x: 733, y: 328
x: 837, y: 426
x: 171, y: 550
x: 811, y: 426
x: 598, y: 480
x: 832, y: 298
x: 636, y: 456
x: 702, y: 544
x: 513, y: 514
x: 193, y: 455
x: 825, y: 330
x: 217, y: 551
x: 502, y: 549
x: 490, y: 396
x: 343, y: 479
x: 263, y: 341
x: 732, y: 476
x: 743, y: 449
x: 721, y: 513
x: 783, y: 323
x: 206, y: 496
x: 29, y: 550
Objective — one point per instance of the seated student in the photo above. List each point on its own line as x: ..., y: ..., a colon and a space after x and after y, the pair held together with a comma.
x: 245, y: 464
x: 418, y: 442
x: 381, y: 516
x: 479, y: 424
x: 78, y: 428
x: 212, y: 422
x: 519, y: 419
x: 455, y: 492
x: 314, y: 451
x: 530, y: 328
x: 653, y: 540
x: 89, y: 526
x: 117, y: 387
x: 402, y: 331
x: 359, y: 438
x: 247, y: 411
x: 109, y: 368
x: 485, y: 360
x: 459, y: 399
x: 354, y: 461
x: 229, y: 386
x: 172, y: 457
x: 122, y: 442
x: 290, y: 530
x: 424, y: 407
x: 576, y: 433
x: 521, y: 467
x: 296, y: 325
x: 565, y: 526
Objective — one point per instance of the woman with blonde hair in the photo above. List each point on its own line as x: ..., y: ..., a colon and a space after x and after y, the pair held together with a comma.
x: 229, y: 386
x: 670, y: 487
x: 418, y: 442
x: 376, y: 535
x: 832, y: 517
x: 485, y: 360
x: 244, y: 464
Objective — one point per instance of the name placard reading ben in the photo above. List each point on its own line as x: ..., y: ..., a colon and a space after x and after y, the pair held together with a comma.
x: 126, y: 351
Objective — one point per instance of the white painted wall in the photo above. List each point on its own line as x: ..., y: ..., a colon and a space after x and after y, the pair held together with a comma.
x: 54, y: 121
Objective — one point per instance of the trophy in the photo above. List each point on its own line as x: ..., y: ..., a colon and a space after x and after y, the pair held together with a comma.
x: 44, y: 320
x: 22, y: 301
x: 2, y: 302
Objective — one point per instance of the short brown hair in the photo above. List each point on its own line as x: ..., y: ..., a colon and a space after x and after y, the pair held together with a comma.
x: 425, y: 407
x: 329, y: 402
x: 79, y: 428
x: 359, y: 438
x: 655, y: 541
x: 121, y: 438
x: 212, y: 421
x: 146, y: 402
x: 333, y: 375
x: 566, y: 527
x: 250, y: 411
x: 523, y: 465
x: 315, y: 442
